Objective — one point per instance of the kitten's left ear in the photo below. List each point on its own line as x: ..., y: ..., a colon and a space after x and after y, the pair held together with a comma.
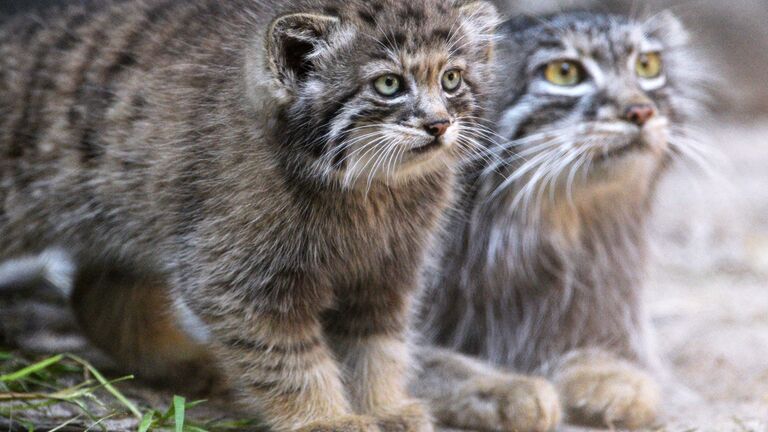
x: 668, y: 28
x: 294, y: 43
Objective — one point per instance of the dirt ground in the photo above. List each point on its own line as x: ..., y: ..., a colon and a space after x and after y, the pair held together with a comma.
x: 708, y: 291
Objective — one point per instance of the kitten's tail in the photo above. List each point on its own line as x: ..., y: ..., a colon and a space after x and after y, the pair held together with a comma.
x: 52, y: 268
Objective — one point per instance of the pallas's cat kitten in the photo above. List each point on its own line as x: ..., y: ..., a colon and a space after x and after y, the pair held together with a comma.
x: 544, y: 265
x: 281, y: 166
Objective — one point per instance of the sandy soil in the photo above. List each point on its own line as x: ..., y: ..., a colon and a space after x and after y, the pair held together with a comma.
x: 708, y: 292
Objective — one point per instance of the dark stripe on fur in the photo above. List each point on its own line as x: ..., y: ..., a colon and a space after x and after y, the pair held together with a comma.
x: 296, y: 348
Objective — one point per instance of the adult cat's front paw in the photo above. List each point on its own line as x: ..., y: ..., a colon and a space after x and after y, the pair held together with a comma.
x: 504, y: 403
x: 412, y: 416
x: 614, y: 394
x: 344, y: 424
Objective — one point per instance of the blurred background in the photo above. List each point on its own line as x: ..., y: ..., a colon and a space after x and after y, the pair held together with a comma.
x: 708, y: 290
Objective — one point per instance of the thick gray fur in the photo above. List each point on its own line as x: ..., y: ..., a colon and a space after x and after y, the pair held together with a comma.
x: 545, y: 259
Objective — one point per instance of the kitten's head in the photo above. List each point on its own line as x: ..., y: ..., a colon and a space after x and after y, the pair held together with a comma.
x: 383, y: 90
x: 595, y: 97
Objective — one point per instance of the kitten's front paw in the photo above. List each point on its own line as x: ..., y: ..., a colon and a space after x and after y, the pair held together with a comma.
x: 413, y: 416
x: 614, y: 395
x: 344, y: 424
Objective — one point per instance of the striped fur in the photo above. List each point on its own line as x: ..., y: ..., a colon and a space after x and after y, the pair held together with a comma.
x: 215, y: 151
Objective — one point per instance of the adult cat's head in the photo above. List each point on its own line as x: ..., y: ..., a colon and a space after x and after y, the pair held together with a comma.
x: 382, y: 90
x: 597, y: 99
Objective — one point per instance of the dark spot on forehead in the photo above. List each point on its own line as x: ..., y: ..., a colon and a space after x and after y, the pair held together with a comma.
x: 399, y: 38
x: 367, y: 16
x: 410, y: 11
x: 441, y: 34
x: 331, y: 10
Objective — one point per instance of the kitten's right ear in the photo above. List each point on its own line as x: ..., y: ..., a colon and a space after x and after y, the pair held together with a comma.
x: 482, y: 15
x: 293, y: 44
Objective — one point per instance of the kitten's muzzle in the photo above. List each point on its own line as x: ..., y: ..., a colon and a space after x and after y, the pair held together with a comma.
x: 437, y: 128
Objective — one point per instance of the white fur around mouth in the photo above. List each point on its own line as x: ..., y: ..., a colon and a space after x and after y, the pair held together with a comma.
x: 433, y: 145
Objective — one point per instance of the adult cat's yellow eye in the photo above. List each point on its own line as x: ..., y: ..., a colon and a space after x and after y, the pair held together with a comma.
x: 563, y: 73
x: 452, y: 80
x: 649, y: 65
x: 388, y: 85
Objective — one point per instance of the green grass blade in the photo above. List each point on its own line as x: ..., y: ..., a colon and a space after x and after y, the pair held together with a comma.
x: 179, y: 407
x: 65, y: 424
x: 146, y: 421
x: 109, y: 387
x: 29, y: 370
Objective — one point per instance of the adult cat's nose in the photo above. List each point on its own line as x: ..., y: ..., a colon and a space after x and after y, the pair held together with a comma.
x: 437, y: 128
x: 639, y: 114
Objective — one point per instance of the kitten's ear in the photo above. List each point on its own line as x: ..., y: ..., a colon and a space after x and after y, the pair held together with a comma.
x: 482, y: 19
x: 668, y: 28
x: 294, y: 42
x: 482, y: 15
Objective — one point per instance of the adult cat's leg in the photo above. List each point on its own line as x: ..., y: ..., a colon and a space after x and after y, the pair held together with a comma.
x: 469, y: 394
x: 599, y: 388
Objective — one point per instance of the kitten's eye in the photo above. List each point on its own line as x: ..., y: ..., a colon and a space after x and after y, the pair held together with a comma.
x: 452, y: 80
x: 564, y: 73
x: 649, y: 65
x: 388, y: 85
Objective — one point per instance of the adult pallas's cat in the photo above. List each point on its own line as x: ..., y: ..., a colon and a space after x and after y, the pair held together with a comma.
x: 543, y: 269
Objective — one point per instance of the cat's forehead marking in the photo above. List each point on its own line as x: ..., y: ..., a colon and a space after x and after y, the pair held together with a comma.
x: 408, y: 26
x: 424, y: 66
x: 609, y: 44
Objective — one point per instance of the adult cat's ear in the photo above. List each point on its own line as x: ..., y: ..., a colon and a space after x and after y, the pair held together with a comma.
x: 667, y: 28
x: 294, y: 43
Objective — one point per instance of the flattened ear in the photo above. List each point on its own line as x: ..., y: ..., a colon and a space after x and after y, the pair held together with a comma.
x: 482, y: 15
x: 666, y: 27
x: 294, y: 42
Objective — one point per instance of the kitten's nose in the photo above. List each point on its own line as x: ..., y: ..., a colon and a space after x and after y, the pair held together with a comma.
x: 639, y: 114
x: 438, y: 128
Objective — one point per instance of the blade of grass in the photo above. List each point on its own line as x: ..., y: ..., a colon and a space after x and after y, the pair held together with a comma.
x: 146, y: 421
x: 15, y: 376
x: 100, y: 422
x: 178, y: 412
x: 109, y: 387
x: 65, y: 424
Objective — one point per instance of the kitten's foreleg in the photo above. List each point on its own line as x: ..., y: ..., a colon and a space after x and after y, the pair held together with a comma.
x: 371, y: 341
x: 282, y: 370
